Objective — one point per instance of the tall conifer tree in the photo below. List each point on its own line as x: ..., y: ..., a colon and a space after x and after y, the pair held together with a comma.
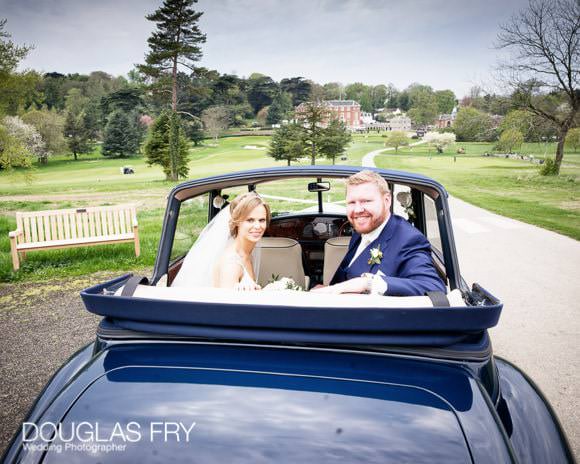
x: 175, y: 43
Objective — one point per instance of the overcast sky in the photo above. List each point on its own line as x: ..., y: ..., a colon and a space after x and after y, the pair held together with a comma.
x: 442, y: 43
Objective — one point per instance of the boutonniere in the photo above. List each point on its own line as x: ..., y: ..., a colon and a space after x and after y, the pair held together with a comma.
x: 376, y: 255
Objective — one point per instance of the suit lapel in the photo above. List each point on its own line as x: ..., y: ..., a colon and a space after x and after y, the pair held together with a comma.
x: 352, y: 246
x: 382, y: 240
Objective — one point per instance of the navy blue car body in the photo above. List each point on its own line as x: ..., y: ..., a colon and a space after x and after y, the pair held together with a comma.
x: 188, y: 382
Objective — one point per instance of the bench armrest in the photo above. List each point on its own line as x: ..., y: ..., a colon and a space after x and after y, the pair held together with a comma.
x: 15, y: 233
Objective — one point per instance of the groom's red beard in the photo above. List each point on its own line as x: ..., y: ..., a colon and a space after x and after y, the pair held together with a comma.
x: 373, y: 221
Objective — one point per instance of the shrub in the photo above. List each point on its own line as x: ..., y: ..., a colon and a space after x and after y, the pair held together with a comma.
x: 549, y: 168
x: 510, y: 140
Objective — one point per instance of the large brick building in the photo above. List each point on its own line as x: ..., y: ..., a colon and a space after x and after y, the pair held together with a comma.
x: 348, y: 111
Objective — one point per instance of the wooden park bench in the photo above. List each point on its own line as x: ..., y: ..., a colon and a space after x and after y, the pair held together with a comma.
x: 64, y: 228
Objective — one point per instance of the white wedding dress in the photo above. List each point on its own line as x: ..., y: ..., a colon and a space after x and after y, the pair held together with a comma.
x: 199, y: 264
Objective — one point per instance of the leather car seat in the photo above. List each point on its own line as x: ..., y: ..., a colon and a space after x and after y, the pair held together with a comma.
x: 282, y: 257
x: 334, y: 250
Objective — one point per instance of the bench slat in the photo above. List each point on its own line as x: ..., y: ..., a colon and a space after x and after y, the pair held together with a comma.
x: 53, y: 231
x: 116, y: 222
x: 73, y: 225
x: 78, y: 241
x: 45, y: 224
x: 123, y: 222
x: 79, y: 219
x: 91, y: 216
x: 60, y: 233
x: 27, y: 235
x: 33, y: 229
x: 98, y: 223
x: 67, y: 227
x: 85, y: 217
x: 128, y: 220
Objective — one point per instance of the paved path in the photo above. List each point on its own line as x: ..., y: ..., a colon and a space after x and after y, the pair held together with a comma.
x: 368, y: 160
x: 535, y: 273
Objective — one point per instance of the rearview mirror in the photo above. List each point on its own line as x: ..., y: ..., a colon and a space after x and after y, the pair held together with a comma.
x: 319, y: 186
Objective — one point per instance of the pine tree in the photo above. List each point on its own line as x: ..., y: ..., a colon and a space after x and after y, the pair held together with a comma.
x: 194, y: 130
x: 313, y: 117
x: 76, y: 133
x: 334, y: 140
x: 279, y: 109
x: 165, y: 136
x: 288, y: 143
x: 118, y: 135
x: 175, y: 43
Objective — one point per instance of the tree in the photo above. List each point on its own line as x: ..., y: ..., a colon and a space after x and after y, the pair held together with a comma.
x: 543, y: 68
x: 215, y: 120
x: 280, y: 108
x: 472, y: 125
x: 333, y: 91
x: 176, y: 42
x: 298, y: 88
x: 50, y: 125
x: 126, y: 99
x: 446, y: 100
x: 509, y: 140
x: 17, y: 90
x: 439, y: 140
x: 355, y: 91
x: 403, y: 101
x: 314, y: 117
x: 10, y: 53
x: 261, y: 91
x: 519, y: 120
x: 157, y: 147
x: 53, y: 88
x: 392, y: 100
x: 122, y: 136
x: 288, y: 143
x: 12, y: 152
x: 334, y: 140
x: 422, y: 104
x: 193, y: 129
x: 27, y: 136
x: 75, y: 128
x: 573, y: 138
x: 379, y: 95
x: 397, y: 139
x: 76, y: 134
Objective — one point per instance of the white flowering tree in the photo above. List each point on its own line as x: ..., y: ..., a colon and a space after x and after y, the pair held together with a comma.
x: 439, y: 140
x: 27, y: 135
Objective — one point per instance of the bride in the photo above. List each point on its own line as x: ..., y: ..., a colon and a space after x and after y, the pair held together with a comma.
x: 225, y: 254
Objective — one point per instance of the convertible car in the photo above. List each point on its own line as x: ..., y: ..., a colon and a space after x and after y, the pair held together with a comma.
x: 182, y: 374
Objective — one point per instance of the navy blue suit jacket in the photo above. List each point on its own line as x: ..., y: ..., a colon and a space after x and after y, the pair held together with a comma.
x: 406, y: 265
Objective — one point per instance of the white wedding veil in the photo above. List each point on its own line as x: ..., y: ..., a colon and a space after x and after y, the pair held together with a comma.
x: 197, y: 269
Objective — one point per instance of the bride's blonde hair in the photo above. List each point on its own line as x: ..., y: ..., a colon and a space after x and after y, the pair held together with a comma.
x: 240, y: 208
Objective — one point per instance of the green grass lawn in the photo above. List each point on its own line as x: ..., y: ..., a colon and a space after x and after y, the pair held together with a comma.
x: 509, y: 187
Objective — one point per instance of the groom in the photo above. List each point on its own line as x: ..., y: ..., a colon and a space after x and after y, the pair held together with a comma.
x: 386, y: 254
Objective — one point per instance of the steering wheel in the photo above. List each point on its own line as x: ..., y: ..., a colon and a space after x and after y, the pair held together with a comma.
x: 344, y: 227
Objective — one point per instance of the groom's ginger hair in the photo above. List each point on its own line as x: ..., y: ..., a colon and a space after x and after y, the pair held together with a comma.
x: 369, y: 177
x: 241, y: 206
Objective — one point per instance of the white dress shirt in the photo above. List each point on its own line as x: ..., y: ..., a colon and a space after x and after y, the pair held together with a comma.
x: 367, y: 239
x: 379, y: 284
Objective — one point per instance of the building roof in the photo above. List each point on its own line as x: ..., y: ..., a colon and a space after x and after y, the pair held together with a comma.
x: 341, y: 103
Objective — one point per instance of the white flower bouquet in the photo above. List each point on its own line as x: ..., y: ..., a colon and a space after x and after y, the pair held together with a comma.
x: 282, y: 283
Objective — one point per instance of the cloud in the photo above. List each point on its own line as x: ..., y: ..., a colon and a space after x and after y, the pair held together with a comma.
x: 443, y: 44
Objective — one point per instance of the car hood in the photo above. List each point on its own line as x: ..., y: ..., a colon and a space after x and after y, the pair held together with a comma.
x: 215, y: 414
